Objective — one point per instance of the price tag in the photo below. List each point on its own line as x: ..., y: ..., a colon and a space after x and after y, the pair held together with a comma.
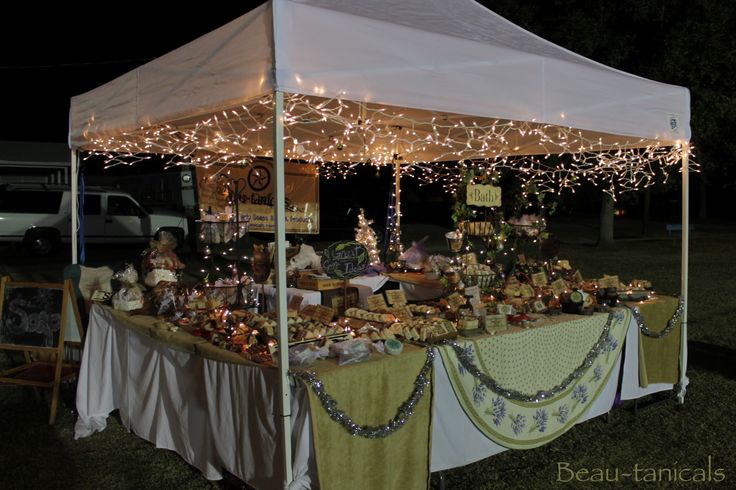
x: 376, y: 302
x: 559, y: 287
x: 295, y: 302
x: 539, y: 306
x: 473, y: 292
x: 455, y: 300
x: 402, y: 313
x: 608, y: 282
x: 539, y: 279
x: 324, y: 314
x: 396, y: 297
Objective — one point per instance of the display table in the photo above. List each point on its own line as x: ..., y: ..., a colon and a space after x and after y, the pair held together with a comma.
x: 217, y: 415
x: 218, y: 412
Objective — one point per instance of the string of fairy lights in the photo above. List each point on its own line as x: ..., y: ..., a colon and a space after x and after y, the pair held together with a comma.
x: 338, y: 135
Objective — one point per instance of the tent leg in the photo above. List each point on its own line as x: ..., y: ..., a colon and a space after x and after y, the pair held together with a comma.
x: 397, y: 188
x: 284, y: 405
x: 684, y: 259
x: 74, y: 203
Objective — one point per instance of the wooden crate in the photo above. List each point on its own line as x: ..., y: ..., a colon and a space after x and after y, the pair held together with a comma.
x: 335, y: 298
x: 318, y: 283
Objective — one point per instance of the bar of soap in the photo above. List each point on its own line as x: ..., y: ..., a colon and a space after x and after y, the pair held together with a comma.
x: 468, y: 324
x: 393, y: 347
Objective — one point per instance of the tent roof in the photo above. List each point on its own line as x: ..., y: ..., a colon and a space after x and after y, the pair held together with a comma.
x: 446, y: 57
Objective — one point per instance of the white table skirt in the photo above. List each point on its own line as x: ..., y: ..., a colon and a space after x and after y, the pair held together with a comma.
x: 219, y: 415
x: 216, y: 415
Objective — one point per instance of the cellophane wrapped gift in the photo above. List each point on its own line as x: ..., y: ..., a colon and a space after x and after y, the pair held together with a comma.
x: 130, y: 295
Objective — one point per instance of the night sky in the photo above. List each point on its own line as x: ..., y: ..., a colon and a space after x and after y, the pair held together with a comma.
x: 53, y: 51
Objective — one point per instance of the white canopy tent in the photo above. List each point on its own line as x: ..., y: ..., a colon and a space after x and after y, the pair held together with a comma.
x: 437, y: 80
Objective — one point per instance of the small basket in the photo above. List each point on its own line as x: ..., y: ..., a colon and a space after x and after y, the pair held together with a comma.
x: 483, y: 281
x: 477, y: 228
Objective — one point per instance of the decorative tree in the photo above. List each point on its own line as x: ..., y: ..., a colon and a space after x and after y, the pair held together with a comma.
x: 365, y: 235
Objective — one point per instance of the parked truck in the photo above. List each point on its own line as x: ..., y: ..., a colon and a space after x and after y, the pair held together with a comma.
x: 39, y: 217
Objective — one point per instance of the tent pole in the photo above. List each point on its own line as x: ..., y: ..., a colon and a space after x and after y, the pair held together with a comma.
x: 284, y: 405
x: 396, y: 232
x: 684, y: 259
x: 74, y: 203
x: 397, y: 197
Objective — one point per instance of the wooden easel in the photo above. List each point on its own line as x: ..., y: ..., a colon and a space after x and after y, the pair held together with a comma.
x: 28, y: 315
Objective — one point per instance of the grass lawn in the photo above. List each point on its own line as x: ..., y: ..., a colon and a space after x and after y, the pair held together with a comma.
x: 665, y: 437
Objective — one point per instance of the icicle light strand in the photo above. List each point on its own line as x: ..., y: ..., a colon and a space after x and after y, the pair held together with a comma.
x: 338, y: 135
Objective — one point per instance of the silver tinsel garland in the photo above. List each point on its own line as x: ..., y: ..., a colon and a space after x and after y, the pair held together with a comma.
x: 403, y: 414
x: 671, y: 324
x: 600, y: 346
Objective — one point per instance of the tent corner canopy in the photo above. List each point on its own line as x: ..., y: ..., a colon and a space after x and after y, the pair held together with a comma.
x: 395, y: 55
x: 479, y: 71
x: 221, y: 69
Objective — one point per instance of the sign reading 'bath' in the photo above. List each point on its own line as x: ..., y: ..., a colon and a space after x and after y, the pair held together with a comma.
x: 483, y: 195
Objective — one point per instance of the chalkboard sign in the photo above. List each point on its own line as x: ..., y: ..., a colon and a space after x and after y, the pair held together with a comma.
x: 34, y: 316
x: 38, y: 318
x: 31, y: 315
x: 343, y: 260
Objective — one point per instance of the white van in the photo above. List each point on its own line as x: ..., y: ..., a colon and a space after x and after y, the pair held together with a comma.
x: 39, y: 216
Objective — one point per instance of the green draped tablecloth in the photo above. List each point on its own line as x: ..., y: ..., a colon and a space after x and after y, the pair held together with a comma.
x: 370, y: 393
x: 537, y: 360
x: 659, y: 358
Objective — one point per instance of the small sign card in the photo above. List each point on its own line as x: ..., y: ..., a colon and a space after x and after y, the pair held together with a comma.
x: 473, y: 292
x: 483, y: 195
x: 376, y: 302
x: 504, y: 309
x: 396, y: 297
x: 101, y: 296
x: 539, y: 306
x: 539, y: 279
x: 608, y: 282
x: 559, y: 287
